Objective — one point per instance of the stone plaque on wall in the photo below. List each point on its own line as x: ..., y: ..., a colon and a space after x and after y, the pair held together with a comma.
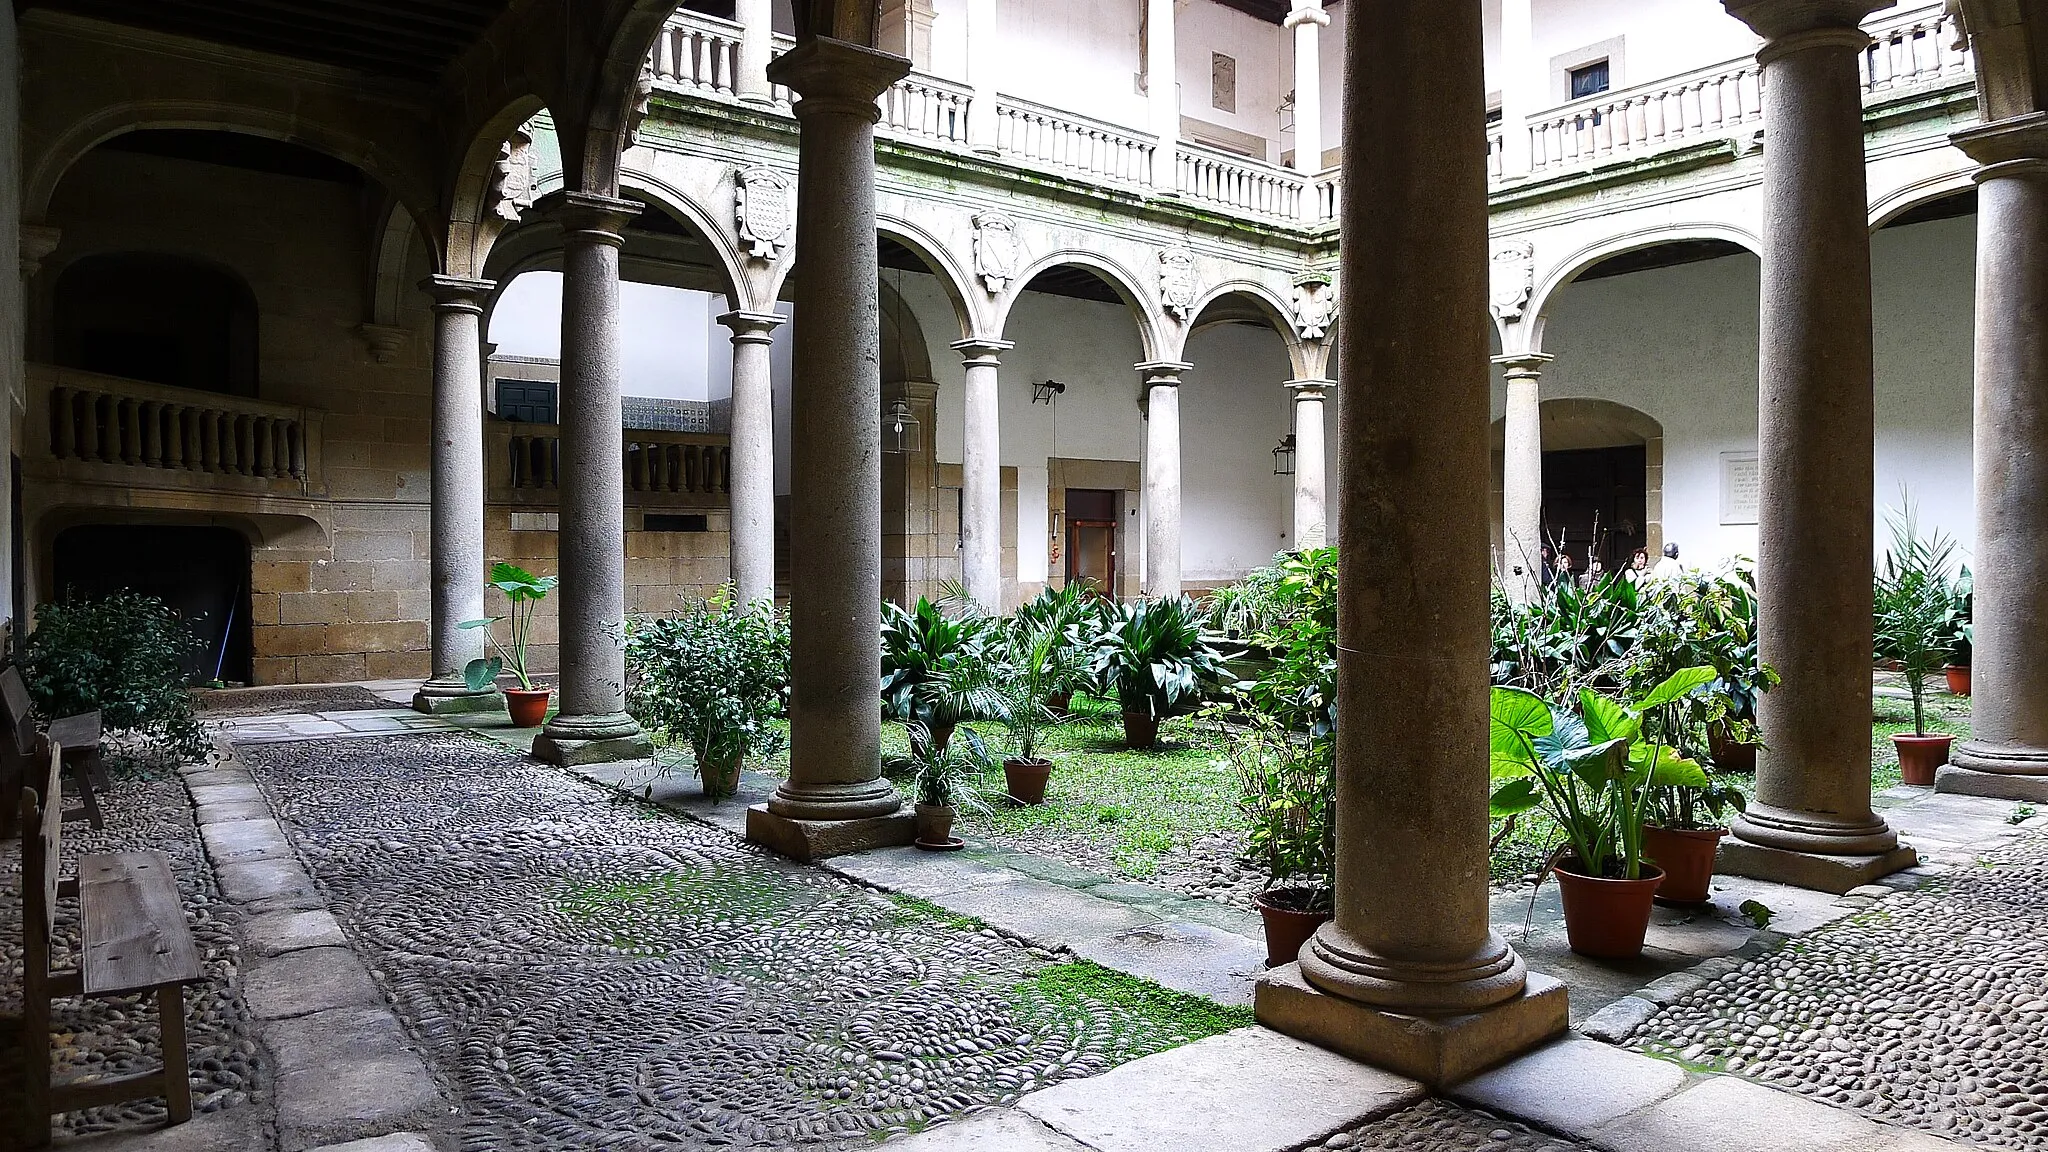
x: 1741, y: 487
x: 1222, y: 82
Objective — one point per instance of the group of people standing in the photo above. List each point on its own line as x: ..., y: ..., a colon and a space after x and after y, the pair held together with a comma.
x: 1558, y: 568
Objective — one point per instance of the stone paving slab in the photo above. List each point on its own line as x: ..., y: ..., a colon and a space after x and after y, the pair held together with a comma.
x: 307, y: 981
x: 1045, y: 913
x: 235, y: 810
x: 274, y: 881
x: 1726, y: 1114
x: 1573, y: 1085
x: 244, y: 842
x: 1187, y: 957
x: 396, y: 1142
x: 1252, y: 1090
x: 1009, y: 1131
x: 347, y: 1074
x: 275, y: 933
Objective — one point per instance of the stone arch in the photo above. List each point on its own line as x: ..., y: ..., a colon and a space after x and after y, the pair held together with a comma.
x: 157, y: 315
x: 661, y: 197
x: 906, y: 354
x: 473, y: 228
x: 1250, y: 301
x: 941, y: 263
x: 70, y: 144
x: 2009, y: 40
x: 1152, y: 324
x: 1587, y: 422
x: 1569, y: 269
x: 1897, y: 203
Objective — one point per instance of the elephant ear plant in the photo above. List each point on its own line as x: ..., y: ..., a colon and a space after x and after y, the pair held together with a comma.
x: 1155, y: 659
x: 528, y: 705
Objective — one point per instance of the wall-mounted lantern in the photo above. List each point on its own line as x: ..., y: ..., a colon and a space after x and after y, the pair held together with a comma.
x: 899, y: 428
x: 1044, y: 393
x: 1283, y: 456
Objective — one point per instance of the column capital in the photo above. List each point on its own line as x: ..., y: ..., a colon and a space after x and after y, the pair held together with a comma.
x: 594, y: 219
x: 752, y: 327
x: 1524, y: 365
x: 1793, y: 25
x: 37, y: 242
x: 1162, y: 373
x: 836, y: 76
x: 979, y: 351
x: 457, y: 293
x: 1307, y: 12
x: 2014, y: 146
x: 1311, y: 388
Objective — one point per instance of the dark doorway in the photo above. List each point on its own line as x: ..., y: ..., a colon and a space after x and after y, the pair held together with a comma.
x: 1594, y: 504
x: 158, y: 318
x: 203, y: 573
x: 1091, y: 539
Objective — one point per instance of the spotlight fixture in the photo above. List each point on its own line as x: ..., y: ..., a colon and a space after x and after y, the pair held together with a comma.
x: 1044, y: 393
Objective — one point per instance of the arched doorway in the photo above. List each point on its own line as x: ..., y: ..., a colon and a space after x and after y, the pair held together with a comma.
x: 1603, y: 480
x: 202, y: 572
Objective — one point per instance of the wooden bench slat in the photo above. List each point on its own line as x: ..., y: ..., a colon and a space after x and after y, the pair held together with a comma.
x: 133, y: 924
x: 80, y: 731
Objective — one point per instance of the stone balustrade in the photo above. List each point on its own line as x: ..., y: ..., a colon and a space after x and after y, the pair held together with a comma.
x: 1073, y: 144
x: 698, y: 53
x: 84, y: 419
x: 1710, y: 102
x: 679, y: 469
x: 1252, y: 187
x: 1920, y: 46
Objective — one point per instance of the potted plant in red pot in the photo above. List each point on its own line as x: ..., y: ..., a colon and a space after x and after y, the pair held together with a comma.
x: 1958, y: 670
x: 1682, y: 835
x: 1290, y: 812
x: 524, y: 591
x: 1154, y: 656
x: 1040, y: 665
x: 943, y: 780
x: 1916, y: 626
x: 1595, y: 770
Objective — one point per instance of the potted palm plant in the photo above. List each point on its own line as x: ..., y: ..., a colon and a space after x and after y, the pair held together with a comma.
x: 942, y: 778
x: 712, y: 677
x: 1958, y: 670
x: 1289, y: 806
x: 524, y: 591
x: 1595, y: 771
x: 1154, y: 658
x: 1042, y: 666
x: 1916, y: 625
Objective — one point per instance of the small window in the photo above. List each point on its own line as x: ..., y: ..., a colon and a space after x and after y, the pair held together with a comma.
x: 1222, y: 82
x: 527, y: 401
x: 1590, y: 80
x: 657, y: 522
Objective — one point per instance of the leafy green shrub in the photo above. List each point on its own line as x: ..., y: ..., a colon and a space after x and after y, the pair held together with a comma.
x: 939, y: 670
x: 1289, y: 805
x: 122, y: 655
x: 1154, y: 658
x: 713, y: 676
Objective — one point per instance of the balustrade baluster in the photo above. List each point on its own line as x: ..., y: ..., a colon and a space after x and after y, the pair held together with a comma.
x: 265, y: 455
x: 150, y: 414
x: 63, y: 433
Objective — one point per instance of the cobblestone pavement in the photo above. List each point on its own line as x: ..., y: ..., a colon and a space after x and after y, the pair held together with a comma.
x: 145, y: 809
x: 586, y: 972
x: 1441, y: 1126
x: 1930, y: 1009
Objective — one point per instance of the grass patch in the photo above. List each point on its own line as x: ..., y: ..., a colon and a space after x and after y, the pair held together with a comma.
x: 911, y: 910
x: 1089, y: 989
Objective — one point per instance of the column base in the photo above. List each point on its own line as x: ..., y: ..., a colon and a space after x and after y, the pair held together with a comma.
x: 1820, y: 871
x: 809, y: 840
x: 1437, y: 1050
x: 441, y: 700
x: 596, y: 739
x: 1957, y: 780
x: 1820, y: 833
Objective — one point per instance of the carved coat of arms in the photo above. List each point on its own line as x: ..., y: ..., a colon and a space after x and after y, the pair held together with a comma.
x: 511, y: 191
x: 1315, y: 305
x: 765, y: 210
x: 1177, y: 280
x: 995, y: 250
x: 1513, y: 278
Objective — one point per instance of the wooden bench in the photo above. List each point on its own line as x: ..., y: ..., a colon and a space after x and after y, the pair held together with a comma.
x: 133, y: 940
x: 22, y: 747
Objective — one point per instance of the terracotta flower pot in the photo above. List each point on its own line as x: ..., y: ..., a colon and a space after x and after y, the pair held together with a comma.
x: 1605, y: 918
x: 1958, y: 679
x: 1059, y: 703
x: 1730, y: 755
x: 935, y: 825
x: 1025, y: 780
x: 528, y: 706
x: 1288, y: 924
x: 720, y: 779
x: 1687, y: 858
x: 1141, y: 730
x: 1919, y: 756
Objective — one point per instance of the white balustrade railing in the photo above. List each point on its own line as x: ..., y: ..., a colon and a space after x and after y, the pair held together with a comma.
x: 923, y: 107
x: 1707, y: 103
x: 1917, y: 47
x: 698, y: 53
x: 1250, y: 186
x: 1073, y: 143
x: 1328, y: 190
x: 1496, y: 151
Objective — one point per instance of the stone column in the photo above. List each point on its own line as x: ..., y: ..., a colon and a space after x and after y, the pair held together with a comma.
x: 1521, y: 477
x: 757, y: 44
x: 1521, y: 85
x: 1161, y: 498
x: 1811, y: 823
x: 592, y: 724
x: 1310, y: 462
x: 1409, y: 975
x: 984, y: 49
x: 981, y: 476
x: 2007, y: 753
x: 835, y: 799
x: 1308, y: 21
x: 751, y: 482
x: 1162, y: 90
x: 456, y: 512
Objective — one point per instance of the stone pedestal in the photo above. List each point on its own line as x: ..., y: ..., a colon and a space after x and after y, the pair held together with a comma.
x: 751, y: 480
x: 1161, y: 499
x: 1820, y: 871
x: 1521, y: 560
x: 455, y: 512
x: 2007, y: 752
x: 1310, y: 462
x: 809, y: 840
x: 1410, y: 974
x: 592, y: 724
x: 835, y: 716
x: 1814, y: 444
x: 981, y: 475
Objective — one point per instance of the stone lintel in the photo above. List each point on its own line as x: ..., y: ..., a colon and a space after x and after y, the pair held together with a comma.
x: 1999, y: 785
x: 434, y: 705
x: 569, y: 753
x: 1820, y: 872
x: 1437, y: 1050
x: 809, y: 840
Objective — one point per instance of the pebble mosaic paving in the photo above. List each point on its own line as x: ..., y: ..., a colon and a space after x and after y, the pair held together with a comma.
x: 1929, y: 1009
x: 586, y: 972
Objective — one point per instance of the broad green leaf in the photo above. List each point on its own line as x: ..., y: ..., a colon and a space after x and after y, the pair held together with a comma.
x: 484, y: 623
x: 1607, y: 720
x: 1599, y: 764
x: 481, y: 674
x: 1681, y: 682
x: 1667, y: 768
x: 1518, y: 719
x: 1514, y: 797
